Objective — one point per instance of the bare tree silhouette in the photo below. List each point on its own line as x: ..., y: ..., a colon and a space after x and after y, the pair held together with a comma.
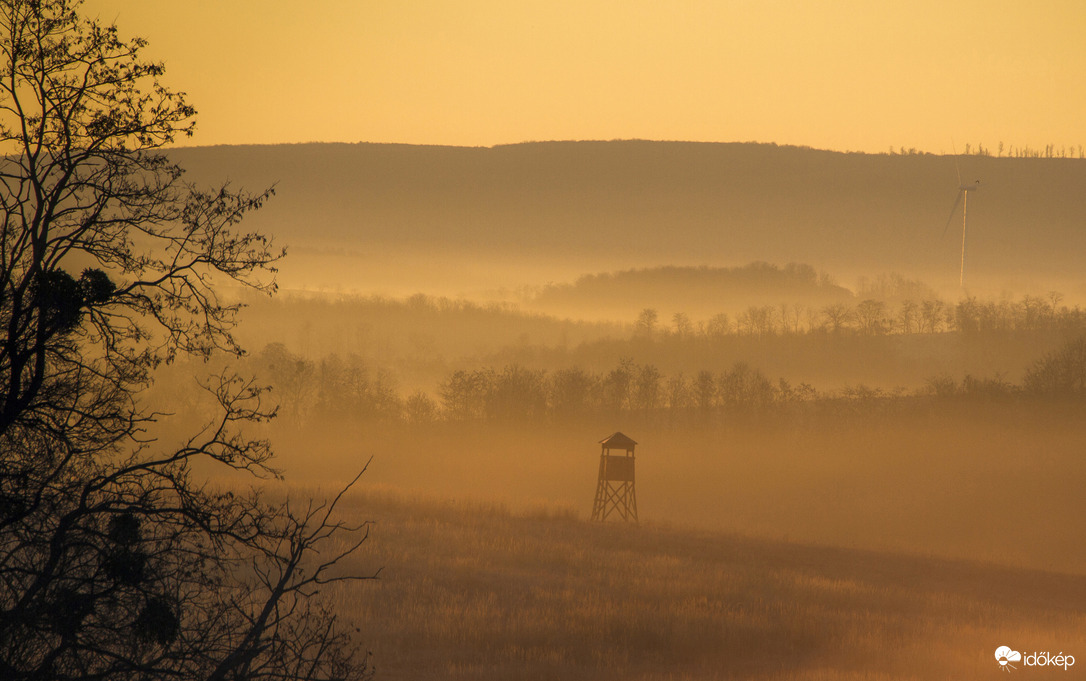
x: 838, y: 316
x: 115, y: 563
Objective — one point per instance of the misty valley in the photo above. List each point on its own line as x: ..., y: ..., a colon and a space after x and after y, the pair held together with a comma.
x: 914, y: 434
x: 829, y: 431
x: 859, y: 446
x: 918, y: 425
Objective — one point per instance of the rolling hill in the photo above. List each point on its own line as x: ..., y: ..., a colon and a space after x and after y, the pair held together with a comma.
x: 400, y: 219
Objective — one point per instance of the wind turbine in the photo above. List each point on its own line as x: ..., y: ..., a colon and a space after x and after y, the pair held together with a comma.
x: 963, y: 198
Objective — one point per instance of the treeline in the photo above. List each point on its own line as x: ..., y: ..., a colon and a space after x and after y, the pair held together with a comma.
x: 873, y: 316
x: 386, y: 348
x: 1009, y: 151
x: 422, y: 335
x: 346, y: 389
x: 699, y: 288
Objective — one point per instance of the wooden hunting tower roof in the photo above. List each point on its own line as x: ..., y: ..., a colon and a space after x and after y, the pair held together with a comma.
x: 618, y: 441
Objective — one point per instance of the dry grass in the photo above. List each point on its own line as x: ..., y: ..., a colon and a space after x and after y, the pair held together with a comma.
x: 999, y: 483
x: 480, y: 592
x: 731, y: 575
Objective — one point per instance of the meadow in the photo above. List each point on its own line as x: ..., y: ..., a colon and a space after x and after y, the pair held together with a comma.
x: 999, y: 482
x: 877, y: 538
x: 471, y: 590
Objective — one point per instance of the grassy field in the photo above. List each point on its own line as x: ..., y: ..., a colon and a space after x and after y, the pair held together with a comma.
x: 471, y: 591
x: 1000, y: 482
x: 908, y: 544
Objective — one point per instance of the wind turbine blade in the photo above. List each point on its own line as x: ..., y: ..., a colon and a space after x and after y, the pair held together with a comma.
x: 954, y: 148
x: 953, y: 210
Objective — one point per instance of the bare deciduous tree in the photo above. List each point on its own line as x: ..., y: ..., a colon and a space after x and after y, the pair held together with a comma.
x: 870, y: 314
x: 115, y: 562
x: 646, y: 323
x: 837, y: 316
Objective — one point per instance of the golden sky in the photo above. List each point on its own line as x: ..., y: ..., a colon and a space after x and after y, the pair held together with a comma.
x: 860, y: 75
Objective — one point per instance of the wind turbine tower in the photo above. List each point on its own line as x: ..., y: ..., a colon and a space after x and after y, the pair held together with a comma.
x: 963, y: 198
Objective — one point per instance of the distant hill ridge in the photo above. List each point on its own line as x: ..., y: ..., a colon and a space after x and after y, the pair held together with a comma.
x: 627, y: 204
x: 697, y: 289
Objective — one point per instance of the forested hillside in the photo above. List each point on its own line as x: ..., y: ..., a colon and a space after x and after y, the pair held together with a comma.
x: 400, y: 219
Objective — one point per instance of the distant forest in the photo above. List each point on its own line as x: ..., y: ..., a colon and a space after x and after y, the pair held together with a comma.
x: 893, y: 332
x: 723, y: 373
x: 695, y: 290
x: 345, y: 389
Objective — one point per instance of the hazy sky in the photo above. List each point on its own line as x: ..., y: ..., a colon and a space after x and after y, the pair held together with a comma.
x: 849, y: 75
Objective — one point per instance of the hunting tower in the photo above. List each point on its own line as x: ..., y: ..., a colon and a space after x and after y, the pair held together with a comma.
x: 615, y: 489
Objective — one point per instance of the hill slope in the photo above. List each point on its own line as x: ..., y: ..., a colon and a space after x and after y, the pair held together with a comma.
x: 542, y: 212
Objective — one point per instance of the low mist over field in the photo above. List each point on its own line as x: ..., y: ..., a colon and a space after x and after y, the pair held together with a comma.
x: 781, y: 329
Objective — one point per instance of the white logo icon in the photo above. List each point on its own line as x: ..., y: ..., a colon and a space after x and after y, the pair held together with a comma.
x: 1004, y: 656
